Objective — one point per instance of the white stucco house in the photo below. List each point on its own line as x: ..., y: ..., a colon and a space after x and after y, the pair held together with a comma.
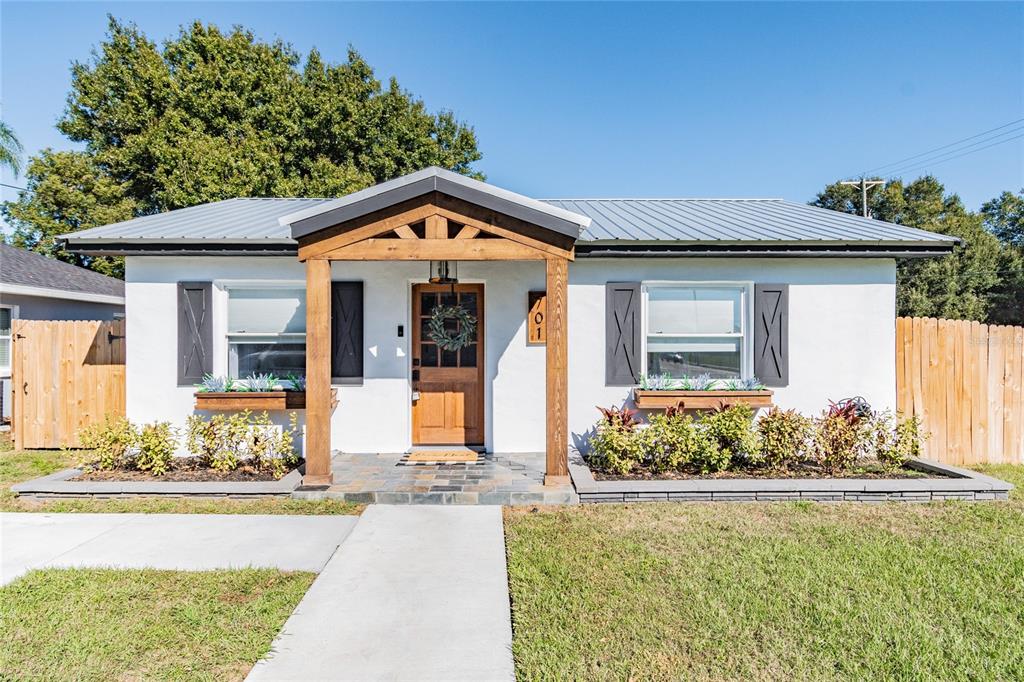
x: 340, y: 290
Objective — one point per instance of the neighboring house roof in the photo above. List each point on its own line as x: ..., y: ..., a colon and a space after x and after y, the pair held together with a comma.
x: 606, y: 227
x: 30, y: 274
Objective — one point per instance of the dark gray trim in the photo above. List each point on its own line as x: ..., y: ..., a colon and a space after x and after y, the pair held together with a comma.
x: 433, y: 183
x: 771, y: 334
x: 622, y: 333
x: 583, y: 250
x: 626, y: 250
x: 195, y: 331
x: 171, y: 249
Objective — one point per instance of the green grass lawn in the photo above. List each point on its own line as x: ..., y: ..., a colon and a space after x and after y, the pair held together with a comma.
x: 17, y: 466
x: 770, y: 591
x: 133, y: 624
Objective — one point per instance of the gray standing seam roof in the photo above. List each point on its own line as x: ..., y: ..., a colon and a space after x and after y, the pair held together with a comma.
x: 26, y: 268
x: 256, y: 222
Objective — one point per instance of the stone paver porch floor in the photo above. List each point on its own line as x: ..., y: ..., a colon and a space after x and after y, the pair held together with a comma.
x: 507, y: 479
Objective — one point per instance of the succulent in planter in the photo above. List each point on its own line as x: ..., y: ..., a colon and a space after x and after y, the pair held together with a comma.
x: 751, y: 384
x: 701, y: 382
x: 216, y: 384
x: 298, y: 381
x: 262, y: 382
x: 658, y: 382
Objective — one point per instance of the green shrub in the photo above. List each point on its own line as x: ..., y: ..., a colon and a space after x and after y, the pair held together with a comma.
x: 111, y: 442
x: 269, y: 448
x: 618, y: 448
x: 731, y: 429
x: 893, y: 439
x: 225, y: 442
x: 783, y: 437
x: 156, y: 444
x: 678, y: 441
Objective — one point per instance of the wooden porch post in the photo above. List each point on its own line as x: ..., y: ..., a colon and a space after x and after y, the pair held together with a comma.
x: 556, y: 372
x: 318, y: 373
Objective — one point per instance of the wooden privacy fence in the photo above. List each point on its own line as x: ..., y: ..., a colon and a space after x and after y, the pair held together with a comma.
x: 64, y: 375
x: 963, y: 379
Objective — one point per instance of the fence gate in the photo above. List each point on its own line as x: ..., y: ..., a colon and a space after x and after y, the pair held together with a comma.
x: 64, y: 375
x: 964, y: 380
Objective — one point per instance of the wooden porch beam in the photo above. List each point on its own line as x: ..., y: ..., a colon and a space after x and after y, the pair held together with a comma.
x: 437, y: 227
x: 556, y: 373
x: 510, y: 235
x: 405, y: 232
x: 435, y: 249
x: 318, y: 373
x: 314, y: 248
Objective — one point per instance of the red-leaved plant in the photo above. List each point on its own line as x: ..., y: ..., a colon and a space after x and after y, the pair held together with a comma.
x: 623, y: 417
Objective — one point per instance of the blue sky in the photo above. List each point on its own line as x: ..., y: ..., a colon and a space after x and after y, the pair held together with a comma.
x: 593, y: 100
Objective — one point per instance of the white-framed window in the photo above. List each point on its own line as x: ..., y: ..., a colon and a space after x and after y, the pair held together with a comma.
x: 8, y: 313
x: 697, y: 328
x: 266, y: 330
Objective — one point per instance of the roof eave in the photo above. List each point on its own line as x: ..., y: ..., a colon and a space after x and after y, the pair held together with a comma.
x: 363, y: 202
x: 65, y: 294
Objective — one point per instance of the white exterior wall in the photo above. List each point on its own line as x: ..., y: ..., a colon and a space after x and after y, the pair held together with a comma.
x: 842, y: 327
x: 841, y: 336
x: 375, y: 416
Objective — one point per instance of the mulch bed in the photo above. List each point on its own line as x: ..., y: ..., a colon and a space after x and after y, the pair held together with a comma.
x: 182, y: 469
x: 805, y: 470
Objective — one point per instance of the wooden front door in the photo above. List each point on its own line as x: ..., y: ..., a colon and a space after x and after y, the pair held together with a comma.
x: 450, y: 384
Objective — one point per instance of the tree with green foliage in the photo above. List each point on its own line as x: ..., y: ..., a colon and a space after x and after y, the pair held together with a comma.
x: 1004, y: 217
x: 971, y: 283
x: 10, y: 149
x: 211, y: 115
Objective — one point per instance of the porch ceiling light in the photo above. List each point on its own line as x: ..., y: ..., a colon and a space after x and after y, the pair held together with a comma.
x: 444, y: 272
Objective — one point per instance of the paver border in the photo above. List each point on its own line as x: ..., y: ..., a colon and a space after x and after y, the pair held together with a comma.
x: 58, y: 485
x: 955, y: 483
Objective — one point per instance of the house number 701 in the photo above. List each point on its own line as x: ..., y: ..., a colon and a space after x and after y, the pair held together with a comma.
x: 535, y: 310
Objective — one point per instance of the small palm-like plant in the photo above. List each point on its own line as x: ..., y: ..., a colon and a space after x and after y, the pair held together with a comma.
x: 10, y: 149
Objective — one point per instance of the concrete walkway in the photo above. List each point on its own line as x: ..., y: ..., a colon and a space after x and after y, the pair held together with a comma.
x: 191, y: 542
x: 415, y: 593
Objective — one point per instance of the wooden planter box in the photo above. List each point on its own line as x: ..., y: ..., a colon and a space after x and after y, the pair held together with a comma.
x: 237, y: 401
x: 700, y: 400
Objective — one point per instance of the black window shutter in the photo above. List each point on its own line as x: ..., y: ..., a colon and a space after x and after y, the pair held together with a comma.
x: 622, y: 333
x: 347, y: 330
x: 195, y: 331
x: 771, y: 334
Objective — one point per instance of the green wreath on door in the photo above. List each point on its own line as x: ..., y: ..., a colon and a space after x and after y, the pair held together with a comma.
x: 451, y: 339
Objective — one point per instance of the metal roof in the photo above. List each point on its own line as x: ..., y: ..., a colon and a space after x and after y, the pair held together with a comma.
x: 731, y: 220
x: 29, y: 269
x: 271, y: 225
x: 433, y: 179
x: 231, y: 219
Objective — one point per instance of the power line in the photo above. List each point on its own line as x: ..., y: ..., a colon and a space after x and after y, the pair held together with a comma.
x: 939, y: 160
x: 23, y: 189
x: 946, y: 146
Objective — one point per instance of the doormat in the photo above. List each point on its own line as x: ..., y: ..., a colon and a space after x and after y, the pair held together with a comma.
x: 424, y: 457
x: 442, y: 456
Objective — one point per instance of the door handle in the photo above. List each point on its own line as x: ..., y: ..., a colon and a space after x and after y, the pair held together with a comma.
x: 415, y: 375
x: 24, y: 388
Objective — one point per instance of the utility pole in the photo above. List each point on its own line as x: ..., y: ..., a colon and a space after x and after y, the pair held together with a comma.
x: 864, y: 185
